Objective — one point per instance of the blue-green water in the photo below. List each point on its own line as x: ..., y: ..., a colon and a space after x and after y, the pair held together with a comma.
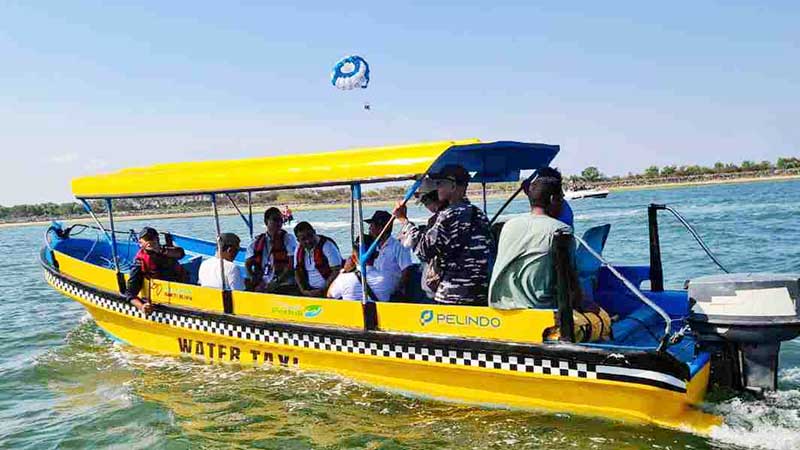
x: 63, y: 383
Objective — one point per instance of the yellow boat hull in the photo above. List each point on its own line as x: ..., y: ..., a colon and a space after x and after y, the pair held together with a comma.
x: 416, y: 365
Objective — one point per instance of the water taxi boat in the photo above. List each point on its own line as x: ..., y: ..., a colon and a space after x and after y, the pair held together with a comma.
x: 656, y: 369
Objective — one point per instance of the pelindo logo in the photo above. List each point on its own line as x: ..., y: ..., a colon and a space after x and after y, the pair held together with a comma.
x: 425, y: 317
x: 464, y: 320
x: 312, y: 311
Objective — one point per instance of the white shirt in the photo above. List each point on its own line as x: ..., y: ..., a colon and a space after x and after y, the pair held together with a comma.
x: 289, y: 243
x: 347, y: 287
x: 315, y: 279
x: 392, y: 259
x: 208, y: 275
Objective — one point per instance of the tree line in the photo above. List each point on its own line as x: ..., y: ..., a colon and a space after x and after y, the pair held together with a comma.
x: 593, y: 174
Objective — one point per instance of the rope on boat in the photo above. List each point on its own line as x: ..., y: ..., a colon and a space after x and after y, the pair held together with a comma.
x: 667, y: 319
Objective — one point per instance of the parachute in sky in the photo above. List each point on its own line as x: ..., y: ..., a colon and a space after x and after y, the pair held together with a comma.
x: 350, y: 73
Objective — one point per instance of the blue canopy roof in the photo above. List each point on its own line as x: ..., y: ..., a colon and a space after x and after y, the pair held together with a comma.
x: 497, y: 161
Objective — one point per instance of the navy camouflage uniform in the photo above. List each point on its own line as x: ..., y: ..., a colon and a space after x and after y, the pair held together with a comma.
x: 459, y: 237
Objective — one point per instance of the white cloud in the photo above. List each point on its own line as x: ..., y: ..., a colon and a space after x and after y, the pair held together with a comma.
x: 64, y: 158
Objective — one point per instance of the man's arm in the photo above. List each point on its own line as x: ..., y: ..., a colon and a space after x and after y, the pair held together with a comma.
x: 173, y: 252
x: 434, y: 240
x: 135, y: 282
x: 334, y: 273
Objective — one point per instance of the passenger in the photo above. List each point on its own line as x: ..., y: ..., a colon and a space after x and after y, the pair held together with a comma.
x: 288, y: 217
x: 153, y: 261
x: 459, y: 237
x: 432, y: 270
x: 317, y: 261
x: 524, y: 274
x: 393, y: 260
x: 558, y: 210
x: 210, y: 268
x: 269, y: 259
x: 347, y: 285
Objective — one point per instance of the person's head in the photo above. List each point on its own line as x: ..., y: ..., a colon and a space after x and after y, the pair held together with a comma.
x: 273, y: 219
x: 428, y: 197
x: 376, y: 223
x: 451, y: 183
x: 148, y: 238
x: 229, y: 245
x: 305, y: 234
x: 545, y: 195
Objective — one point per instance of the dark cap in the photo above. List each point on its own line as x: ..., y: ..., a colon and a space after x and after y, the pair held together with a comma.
x: 227, y: 240
x: 452, y: 172
x: 148, y: 233
x: 380, y: 217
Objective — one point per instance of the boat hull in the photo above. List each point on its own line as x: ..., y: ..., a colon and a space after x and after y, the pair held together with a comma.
x: 543, y: 377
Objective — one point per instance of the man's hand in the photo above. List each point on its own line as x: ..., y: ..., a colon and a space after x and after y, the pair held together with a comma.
x: 143, y: 306
x: 400, y: 212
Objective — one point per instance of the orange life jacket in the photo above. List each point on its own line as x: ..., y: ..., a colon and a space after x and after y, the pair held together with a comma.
x: 321, y: 263
x: 280, y: 255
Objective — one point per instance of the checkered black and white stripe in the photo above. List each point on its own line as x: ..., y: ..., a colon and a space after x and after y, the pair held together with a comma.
x: 405, y: 351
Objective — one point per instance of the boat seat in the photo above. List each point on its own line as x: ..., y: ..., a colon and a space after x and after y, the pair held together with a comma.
x: 586, y: 264
x: 191, y: 264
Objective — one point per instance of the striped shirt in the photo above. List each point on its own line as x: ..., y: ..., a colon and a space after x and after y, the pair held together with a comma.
x: 459, y: 238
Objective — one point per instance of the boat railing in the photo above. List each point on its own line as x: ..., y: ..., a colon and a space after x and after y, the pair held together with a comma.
x: 656, y: 207
x: 635, y: 290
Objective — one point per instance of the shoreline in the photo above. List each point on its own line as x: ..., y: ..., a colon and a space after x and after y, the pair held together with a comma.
x: 644, y: 187
x: 316, y: 207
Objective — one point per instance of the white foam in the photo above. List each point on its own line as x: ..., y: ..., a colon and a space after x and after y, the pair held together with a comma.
x: 771, y: 423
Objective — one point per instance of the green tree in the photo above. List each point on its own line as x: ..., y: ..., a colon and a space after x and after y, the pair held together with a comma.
x: 652, y: 172
x: 668, y: 171
x: 591, y: 173
x: 788, y: 163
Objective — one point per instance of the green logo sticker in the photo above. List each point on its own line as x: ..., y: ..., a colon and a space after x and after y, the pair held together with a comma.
x: 312, y: 311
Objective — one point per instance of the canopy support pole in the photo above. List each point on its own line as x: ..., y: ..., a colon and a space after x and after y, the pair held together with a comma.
x: 249, y: 223
x: 483, y: 185
x: 368, y: 308
x: 353, y: 214
x: 250, y: 213
x: 227, y: 297
x: 88, y: 209
x: 120, y: 277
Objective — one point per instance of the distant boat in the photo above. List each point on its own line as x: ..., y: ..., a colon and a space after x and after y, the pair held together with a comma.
x: 586, y: 193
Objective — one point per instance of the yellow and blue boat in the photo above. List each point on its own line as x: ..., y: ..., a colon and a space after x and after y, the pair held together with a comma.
x: 656, y: 369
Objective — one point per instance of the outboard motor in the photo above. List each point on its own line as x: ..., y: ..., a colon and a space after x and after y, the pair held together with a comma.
x: 741, y: 319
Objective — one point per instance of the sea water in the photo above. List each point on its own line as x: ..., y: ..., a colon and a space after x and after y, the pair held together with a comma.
x: 64, y: 383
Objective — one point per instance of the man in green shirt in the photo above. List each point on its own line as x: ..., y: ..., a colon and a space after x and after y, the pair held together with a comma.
x: 524, y: 274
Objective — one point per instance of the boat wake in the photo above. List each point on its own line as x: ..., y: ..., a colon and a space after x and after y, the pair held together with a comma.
x: 770, y: 423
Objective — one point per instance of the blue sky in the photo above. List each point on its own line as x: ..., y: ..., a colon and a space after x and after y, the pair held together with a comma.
x: 88, y: 87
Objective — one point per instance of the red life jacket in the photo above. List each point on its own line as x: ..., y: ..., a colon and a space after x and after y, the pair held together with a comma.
x: 160, y: 267
x: 280, y: 255
x: 321, y: 263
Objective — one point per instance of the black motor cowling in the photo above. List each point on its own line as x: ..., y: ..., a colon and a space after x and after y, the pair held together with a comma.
x: 742, y: 319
